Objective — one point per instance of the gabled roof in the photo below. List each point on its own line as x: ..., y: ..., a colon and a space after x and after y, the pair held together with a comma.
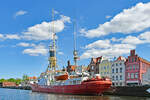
x: 121, y: 58
x: 143, y: 60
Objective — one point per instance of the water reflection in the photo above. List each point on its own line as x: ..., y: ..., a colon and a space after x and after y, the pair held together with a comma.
x: 13, y: 94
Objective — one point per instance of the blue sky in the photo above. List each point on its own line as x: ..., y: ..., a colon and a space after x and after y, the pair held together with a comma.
x: 104, y: 28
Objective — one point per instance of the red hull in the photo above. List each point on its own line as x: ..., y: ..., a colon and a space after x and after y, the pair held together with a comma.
x: 86, y: 88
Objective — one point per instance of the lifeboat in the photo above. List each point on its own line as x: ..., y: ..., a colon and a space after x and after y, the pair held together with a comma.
x: 62, y: 76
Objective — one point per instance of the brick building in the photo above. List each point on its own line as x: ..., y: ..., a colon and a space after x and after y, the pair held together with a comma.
x: 8, y: 84
x: 137, y: 70
x: 93, y: 67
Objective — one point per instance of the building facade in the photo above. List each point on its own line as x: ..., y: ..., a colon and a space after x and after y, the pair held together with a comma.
x: 137, y: 70
x: 118, y: 72
x: 105, y: 68
x: 93, y: 67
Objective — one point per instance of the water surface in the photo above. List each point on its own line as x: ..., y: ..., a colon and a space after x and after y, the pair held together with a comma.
x: 14, y: 94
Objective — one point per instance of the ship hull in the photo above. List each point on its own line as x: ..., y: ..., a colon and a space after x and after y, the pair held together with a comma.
x: 86, y: 88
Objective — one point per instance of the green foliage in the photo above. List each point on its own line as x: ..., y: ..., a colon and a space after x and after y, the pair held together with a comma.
x: 17, y: 81
x: 25, y: 78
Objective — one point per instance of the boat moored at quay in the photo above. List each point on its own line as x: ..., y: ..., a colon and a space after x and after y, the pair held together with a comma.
x: 63, y: 82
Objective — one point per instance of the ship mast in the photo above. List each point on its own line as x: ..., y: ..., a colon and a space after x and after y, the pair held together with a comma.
x: 75, y: 53
x: 52, y: 48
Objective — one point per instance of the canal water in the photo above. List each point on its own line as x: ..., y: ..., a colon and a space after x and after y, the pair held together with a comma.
x: 14, y: 94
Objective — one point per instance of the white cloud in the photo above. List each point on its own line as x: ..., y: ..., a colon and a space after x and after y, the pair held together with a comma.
x: 36, y: 50
x: 113, y: 50
x: 60, y: 53
x: 132, y: 40
x: 108, y: 17
x: 20, y: 12
x: 56, y: 12
x: 12, y: 36
x: 23, y: 44
x: 114, y: 46
x: 99, y: 44
x: 145, y: 36
x: 116, y: 40
x: 1, y: 36
x: 131, y: 20
x: 44, y: 31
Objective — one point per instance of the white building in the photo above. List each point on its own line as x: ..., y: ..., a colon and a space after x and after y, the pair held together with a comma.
x: 118, y: 72
x: 146, y: 77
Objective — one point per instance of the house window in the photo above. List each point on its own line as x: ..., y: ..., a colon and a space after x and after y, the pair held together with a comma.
x: 129, y: 60
x: 130, y: 67
x: 133, y: 67
x: 136, y: 75
x: 116, y: 77
x: 113, y: 78
x: 120, y: 83
x: 120, y: 63
x: 128, y: 75
x: 113, y: 84
x: 92, y: 67
x: 135, y: 59
x: 116, y: 64
x: 116, y: 84
x: 120, y: 77
x: 112, y: 65
x: 107, y: 67
x: 132, y: 75
x: 137, y: 67
x: 112, y: 70
x: 120, y: 70
x: 132, y: 59
x: 116, y: 70
x: 104, y: 67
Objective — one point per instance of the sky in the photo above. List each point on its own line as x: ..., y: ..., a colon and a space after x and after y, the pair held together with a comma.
x: 109, y: 28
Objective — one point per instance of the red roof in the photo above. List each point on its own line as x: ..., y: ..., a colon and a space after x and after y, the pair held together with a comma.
x: 120, y: 58
x: 30, y: 78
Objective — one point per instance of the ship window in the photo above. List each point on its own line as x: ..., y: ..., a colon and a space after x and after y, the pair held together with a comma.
x: 51, y: 53
x: 74, y: 81
x: 70, y: 82
x: 78, y: 81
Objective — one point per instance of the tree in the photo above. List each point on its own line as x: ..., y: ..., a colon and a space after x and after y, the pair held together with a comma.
x: 11, y: 80
x: 18, y: 81
x: 25, y: 78
x: 2, y: 80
